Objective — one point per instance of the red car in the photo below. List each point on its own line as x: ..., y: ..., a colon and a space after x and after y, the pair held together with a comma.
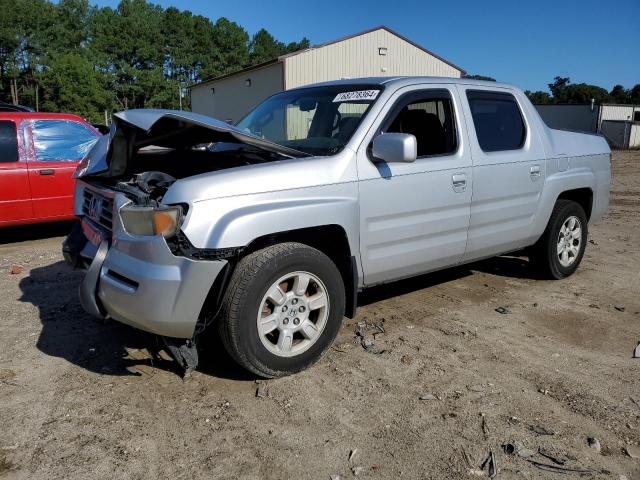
x: 38, y: 155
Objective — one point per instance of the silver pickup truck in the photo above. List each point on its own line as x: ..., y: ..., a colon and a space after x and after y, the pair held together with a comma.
x: 267, y: 230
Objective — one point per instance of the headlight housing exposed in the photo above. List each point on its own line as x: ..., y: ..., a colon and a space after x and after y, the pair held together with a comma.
x: 163, y: 220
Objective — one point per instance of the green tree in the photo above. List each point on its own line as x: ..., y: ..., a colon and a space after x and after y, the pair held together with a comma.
x: 564, y: 91
x: 634, y: 94
x: 263, y: 47
x: 539, y: 98
x: 619, y: 94
x: 125, y: 43
x: 69, y: 30
x: 230, y: 50
x: 559, y: 89
x: 71, y: 84
x: 584, y: 93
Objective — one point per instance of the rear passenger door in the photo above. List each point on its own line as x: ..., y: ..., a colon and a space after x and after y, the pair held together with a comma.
x: 508, y: 170
x: 15, y: 196
x: 414, y: 216
x: 58, y: 146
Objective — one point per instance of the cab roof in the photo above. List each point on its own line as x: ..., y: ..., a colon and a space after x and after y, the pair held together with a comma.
x: 401, y: 81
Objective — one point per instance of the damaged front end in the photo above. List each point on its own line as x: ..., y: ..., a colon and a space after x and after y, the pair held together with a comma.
x: 142, y: 270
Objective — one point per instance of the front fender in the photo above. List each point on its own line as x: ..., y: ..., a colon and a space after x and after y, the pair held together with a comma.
x: 236, y: 221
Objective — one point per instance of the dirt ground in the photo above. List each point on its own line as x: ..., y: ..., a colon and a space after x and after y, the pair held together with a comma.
x: 84, y: 399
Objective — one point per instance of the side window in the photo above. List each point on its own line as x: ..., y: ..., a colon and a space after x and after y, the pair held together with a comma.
x: 61, y: 140
x: 8, y: 142
x: 429, y: 117
x: 497, y: 120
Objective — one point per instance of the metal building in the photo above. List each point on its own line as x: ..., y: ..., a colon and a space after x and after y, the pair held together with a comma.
x: 376, y: 52
x: 620, y: 124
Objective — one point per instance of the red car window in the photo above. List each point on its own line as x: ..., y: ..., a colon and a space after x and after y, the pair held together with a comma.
x: 8, y: 141
x: 61, y: 140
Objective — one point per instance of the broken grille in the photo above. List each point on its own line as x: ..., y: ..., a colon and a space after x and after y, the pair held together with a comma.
x: 98, y: 208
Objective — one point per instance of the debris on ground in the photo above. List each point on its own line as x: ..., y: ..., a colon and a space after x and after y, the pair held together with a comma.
x: 427, y: 397
x: 489, y: 463
x: 356, y: 470
x: 334, y: 477
x: 557, y: 465
x: 549, y: 456
x: 476, y: 472
x: 594, y: 443
x: 263, y: 390
x: 470, y: 468
x: 548, y: 467
x: 633, y: 452
x: 517, y: 448
x: 406, y: 359
x: 485, y: 428
x: 16, y: 269
x: 619, y: 307
x: 352, y: 453
x: 503, y: 310
x: 542, y: 430
x: 636, y: 351
x: 367, y: 331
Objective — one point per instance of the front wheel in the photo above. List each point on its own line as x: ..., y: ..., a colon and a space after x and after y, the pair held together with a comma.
x: 282, y: 310
x: 559, y: 251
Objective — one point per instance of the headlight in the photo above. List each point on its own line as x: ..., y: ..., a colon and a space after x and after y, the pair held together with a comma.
x: 151, y: 220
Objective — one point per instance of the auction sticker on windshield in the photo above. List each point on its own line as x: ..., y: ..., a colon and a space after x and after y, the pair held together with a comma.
x: 359, y: 95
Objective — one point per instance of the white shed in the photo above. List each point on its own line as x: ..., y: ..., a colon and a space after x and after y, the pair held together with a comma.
x: 372, y: 53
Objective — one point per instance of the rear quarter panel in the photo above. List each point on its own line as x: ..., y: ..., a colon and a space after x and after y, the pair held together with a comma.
x: 574, y: 161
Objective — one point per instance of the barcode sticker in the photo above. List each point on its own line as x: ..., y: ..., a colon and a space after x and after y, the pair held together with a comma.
x: 359, y: 95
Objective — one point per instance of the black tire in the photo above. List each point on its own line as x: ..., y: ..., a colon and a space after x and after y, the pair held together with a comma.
x: 544, y: 254
x: 253, y: 275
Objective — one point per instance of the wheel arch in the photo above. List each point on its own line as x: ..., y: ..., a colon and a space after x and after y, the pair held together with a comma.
x: 577, y: 185
x: 582, y: 196
x: 329, y: 239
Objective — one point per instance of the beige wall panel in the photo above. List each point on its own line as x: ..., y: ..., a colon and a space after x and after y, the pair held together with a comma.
x: 232, y: 99
x: 359, y: 57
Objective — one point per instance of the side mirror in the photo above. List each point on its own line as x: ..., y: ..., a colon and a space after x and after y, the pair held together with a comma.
x: 395, y: 147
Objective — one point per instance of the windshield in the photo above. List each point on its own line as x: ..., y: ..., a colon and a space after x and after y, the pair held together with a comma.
x: 317, y: 120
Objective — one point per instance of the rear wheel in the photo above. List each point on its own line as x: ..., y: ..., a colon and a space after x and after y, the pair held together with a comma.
x: 559, y: 251
x: 282, y: 310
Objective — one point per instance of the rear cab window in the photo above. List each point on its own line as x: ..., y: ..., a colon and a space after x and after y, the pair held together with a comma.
x: 8, y: 142
x: 61, y: 140
x: 497, y: 120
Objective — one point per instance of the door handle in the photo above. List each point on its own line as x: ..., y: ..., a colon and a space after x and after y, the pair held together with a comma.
x: 534, y: 171
x: 46, y: 171
x: 459, y: 182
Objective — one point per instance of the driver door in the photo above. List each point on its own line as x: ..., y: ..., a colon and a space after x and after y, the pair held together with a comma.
x: 414, y: 217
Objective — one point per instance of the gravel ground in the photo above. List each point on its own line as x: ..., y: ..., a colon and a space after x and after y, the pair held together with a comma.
x: 83, y: 399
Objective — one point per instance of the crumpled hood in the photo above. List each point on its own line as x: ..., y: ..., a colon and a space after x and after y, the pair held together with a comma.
x: 164, y: 128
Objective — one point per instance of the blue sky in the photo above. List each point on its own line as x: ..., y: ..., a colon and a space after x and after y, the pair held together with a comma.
x: 526, y: 43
